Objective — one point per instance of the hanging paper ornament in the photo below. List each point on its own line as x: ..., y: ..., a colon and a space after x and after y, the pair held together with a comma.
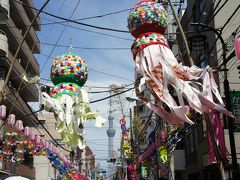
x: 124, y: 134
x: 29, y: 144
x: 69, y: 162
x: 122, y: 121
x: 19, y: 125
x: 163, y: 135
x: 26, y: 131
x: 3, y: 111
x: 123, y: 127
x: 38, y: 139
x: 46, y: 144
x: 237, y: 47
x: 32, y: 135
x: 61, y: 155
x: 76, y: 168
x: 11, y: 119
x: 43, y: 141
x: 67, y: 100
x: 50, y: 147
x: 158, y: 70
x: 54, y: 150
x: 163, y: 153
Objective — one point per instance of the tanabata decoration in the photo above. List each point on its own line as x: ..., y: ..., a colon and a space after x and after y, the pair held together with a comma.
x: 158, y: 70
x: 163, y: 154
x: 32, y: 80
x: 68, y: 101
x: 13, y: 146
x: 127, y: 149
x: 122, y: 122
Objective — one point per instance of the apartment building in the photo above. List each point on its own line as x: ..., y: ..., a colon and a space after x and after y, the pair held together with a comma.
x: 15, y: 18
x: 206, y: 50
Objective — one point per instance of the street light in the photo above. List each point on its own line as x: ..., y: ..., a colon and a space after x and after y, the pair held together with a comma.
x: 236, y: 174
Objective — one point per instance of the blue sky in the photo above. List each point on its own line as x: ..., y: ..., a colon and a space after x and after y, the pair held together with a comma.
x: 115, y: 62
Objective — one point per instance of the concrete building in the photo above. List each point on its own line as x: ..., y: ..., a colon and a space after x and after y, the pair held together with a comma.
x: 43, y: 167
x: 205, y: 50
x: 14, y: 21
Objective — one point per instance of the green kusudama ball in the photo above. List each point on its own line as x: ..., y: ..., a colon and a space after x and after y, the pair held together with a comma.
x: 69, y: 68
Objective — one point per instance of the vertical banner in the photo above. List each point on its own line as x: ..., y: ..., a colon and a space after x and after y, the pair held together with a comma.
x: 219, y: 137
x: 235, y: 108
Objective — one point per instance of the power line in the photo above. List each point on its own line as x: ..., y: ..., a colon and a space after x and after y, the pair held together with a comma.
x: 91, y: 17
x: 229, y: 19
x: 209, y: 18
x: 120, y: 77
x: 217, y: 10
x: 49, y: 32
x: 222, y: 28
x: 73, y: 21
x: 87, y: 48
x: 110, y: 96
x: 80, y: 23
x: 60, y: 36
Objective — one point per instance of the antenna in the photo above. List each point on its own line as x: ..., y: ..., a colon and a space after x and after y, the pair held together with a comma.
x: 70, y: 46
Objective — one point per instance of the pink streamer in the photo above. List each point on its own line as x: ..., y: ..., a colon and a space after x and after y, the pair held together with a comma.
x: 2, y: 111
x: 219, y: 137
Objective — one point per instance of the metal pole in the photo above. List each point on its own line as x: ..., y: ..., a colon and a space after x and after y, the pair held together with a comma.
x: 236, y: 175
x: 131, y: 127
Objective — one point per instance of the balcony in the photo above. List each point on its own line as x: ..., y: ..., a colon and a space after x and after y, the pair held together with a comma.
x: 4, y: 9
x: 14, y: 38
x: 22, y: 21
x: 29, y: 92
x: 31, y: 14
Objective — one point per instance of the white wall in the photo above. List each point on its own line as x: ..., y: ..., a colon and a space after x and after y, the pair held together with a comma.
x: 43, y: 168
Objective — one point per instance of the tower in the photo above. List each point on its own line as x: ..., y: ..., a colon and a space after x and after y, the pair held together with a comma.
x: 111, y: 134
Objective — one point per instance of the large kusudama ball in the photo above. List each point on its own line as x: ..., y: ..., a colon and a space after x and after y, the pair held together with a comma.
x: 147, y: 16
x: 69, y: 68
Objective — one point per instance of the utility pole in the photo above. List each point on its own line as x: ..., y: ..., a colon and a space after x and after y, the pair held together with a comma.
x: 131, y: 128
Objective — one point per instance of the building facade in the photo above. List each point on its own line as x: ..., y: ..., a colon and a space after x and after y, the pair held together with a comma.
x: 15, y: 18
x: 206, y: 49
